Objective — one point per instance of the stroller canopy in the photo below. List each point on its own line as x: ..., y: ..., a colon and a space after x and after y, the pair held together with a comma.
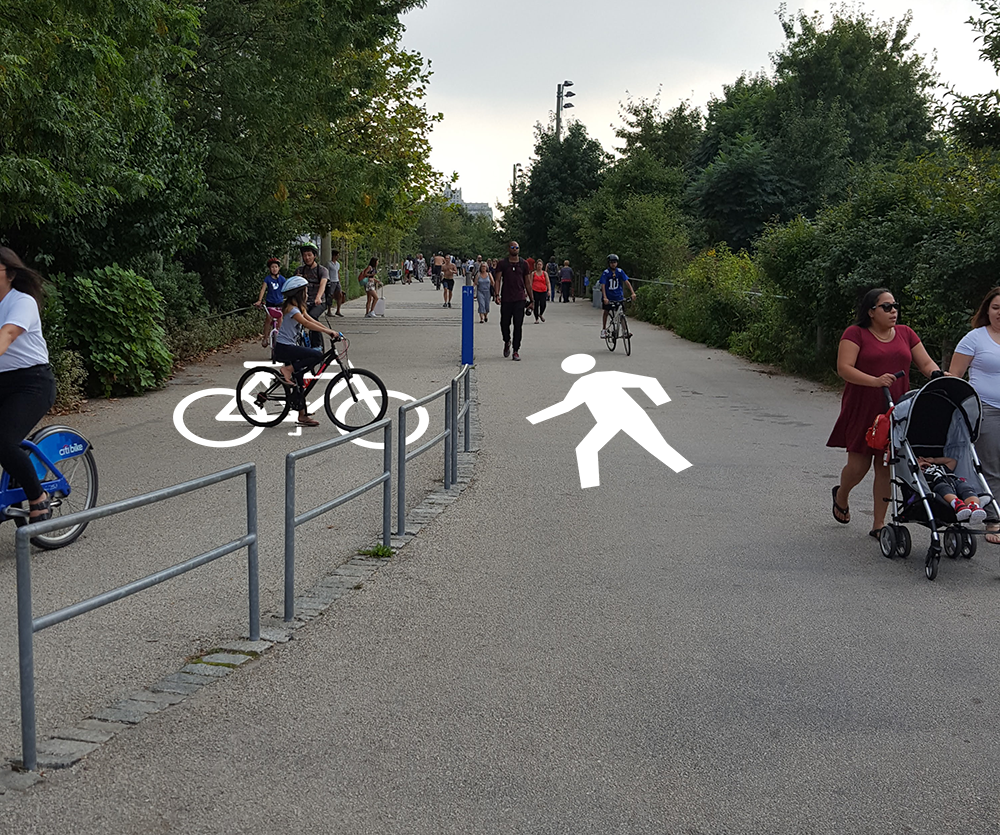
x: 945, y: 412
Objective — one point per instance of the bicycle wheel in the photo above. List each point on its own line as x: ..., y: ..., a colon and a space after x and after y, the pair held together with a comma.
x: 612, y: 334
x: 626, y: 335
x: 262, y: 396
x: 81, y: 474
x: 355, y: 398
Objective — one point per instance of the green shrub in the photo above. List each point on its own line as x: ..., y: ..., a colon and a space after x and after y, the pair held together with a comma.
x: 712, y: 300
x: 183, y: 297
x: 67, y: 365
x: 114, y: 318
x: 205, y: 333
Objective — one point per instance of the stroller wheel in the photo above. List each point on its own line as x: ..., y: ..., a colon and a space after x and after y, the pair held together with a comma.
x: 887, y: 541
x: 931, y: 563
x: 903, y: 542
x: 968, y: 545
x: 952, y: 542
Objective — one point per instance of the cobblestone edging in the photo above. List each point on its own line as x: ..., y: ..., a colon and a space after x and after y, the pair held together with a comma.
x: 70, y: 744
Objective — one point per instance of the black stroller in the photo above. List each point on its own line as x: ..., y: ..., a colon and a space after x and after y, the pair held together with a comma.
x: 941, y: 419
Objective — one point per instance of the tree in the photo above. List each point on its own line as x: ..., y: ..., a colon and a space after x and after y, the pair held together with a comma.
x: 975, y: 120
x: 561, y: 173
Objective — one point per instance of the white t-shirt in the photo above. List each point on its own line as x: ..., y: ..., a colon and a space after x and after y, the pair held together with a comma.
x: 984, y: 370
x: 17, y: 308
x: 334, y: 269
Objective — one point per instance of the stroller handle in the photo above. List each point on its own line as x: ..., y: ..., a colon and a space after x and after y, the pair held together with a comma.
x: 885, y: 389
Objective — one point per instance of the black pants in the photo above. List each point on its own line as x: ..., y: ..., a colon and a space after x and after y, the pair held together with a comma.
x: 300, y: 359
x: 26, y: 394
x: 315, y: 337
x: 566, y: 287
x: 512, y: 311
x: 541, y: 299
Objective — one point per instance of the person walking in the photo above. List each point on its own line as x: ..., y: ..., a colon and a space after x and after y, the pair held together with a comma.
x: 334, y: 292
x: 978, y: 352
x: 369, y: 283
x: 27, y: 385
x: 317, y: 278
x: 566, y: 281
x: 513, y: 290
x: 484, y: 291
x: 420, y: 267
x: 871, y: 351
x: 552, y: 269
x: 540, y: 290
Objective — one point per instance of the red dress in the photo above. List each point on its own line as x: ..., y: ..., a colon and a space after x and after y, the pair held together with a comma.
x: 861, y: 404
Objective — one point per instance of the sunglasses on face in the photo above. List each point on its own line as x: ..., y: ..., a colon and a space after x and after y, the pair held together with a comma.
x: 888, y: 307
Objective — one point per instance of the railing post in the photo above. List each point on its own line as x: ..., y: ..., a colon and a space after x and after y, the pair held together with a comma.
x: 449, y: 437
x: 289, y: 538
x: 468, y: 410
x: 453, y: 417
x: 26, y: 655
x: 387, y: 486
x: 253, y: 563
x: 401, y: 477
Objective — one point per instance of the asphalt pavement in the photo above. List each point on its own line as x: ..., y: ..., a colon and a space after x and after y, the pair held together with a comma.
x: 694, y: 652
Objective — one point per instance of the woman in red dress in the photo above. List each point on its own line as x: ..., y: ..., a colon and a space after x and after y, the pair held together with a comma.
x: 871, y: 351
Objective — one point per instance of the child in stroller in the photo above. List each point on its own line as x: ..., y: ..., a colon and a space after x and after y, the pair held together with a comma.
x: 939, y: 473
x: 934, y: 471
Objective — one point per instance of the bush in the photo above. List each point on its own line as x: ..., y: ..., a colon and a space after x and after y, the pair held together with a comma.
x: 204, y: 334
x: 114, y: 318
x: 713, y: 299
x: 183, y: 298
x: 67, y: 365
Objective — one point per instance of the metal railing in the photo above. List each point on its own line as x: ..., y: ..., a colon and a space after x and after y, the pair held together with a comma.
x: 447, y: 435
x: 463, y: 414
x: 28, y: 625
x: 292, y: 521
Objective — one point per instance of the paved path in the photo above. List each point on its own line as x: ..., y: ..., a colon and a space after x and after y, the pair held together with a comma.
x: 704, y: 651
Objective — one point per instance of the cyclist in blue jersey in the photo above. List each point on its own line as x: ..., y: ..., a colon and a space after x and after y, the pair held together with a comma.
x: 613, y: 283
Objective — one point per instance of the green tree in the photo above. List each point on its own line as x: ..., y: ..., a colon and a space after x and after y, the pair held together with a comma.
x: 559, y: 175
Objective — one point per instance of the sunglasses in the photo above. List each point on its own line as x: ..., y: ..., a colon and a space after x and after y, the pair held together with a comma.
x: 888, y: 307
x: 514, y: 247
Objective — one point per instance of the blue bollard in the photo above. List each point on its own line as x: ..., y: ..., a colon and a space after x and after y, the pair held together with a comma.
x: 468, y: 299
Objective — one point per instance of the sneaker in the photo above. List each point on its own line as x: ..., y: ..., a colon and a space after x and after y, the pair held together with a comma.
x: 978, y: 514
x: 506, y: 349
x: 449, y: 304
x: 542, y: 318
x: 604, y: 334
x: 338, y: 314
x: 962, y: 510
x: 516, y: 358
x: 445, y: 304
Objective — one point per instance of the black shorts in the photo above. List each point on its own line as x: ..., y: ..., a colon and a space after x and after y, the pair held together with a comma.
x: 449, y: 283
x: 612, y: 304
x: 436, y: 269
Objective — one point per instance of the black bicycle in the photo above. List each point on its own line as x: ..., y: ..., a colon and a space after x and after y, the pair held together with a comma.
x: 618, y: 328
x: 353, y: 399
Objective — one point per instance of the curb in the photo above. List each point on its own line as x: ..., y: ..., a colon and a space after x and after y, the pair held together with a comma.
x: 72, y: 743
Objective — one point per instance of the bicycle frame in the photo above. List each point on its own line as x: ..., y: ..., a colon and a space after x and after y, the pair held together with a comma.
x: 59, y: 445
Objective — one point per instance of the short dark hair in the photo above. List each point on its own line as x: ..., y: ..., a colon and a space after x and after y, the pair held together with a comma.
x: 335, y: 253
x: 866, y: 304
x: 981, y: 318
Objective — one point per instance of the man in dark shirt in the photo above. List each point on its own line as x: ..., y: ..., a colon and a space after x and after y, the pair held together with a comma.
x: 552, y: 268
x: 513, y: 289
x: 566, y: 281
x: 317, y: 276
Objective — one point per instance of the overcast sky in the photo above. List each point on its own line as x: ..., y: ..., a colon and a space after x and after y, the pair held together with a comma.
x: 496, y: 65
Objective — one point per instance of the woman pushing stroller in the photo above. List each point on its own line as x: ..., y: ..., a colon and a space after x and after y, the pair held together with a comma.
x: 871, y: 351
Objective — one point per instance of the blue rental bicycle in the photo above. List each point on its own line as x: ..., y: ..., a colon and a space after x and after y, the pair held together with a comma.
x: 65, y: 466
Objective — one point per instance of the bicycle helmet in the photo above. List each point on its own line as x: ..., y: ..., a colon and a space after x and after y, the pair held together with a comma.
x: 309, y: 247
x: 293, y: 285
x: 273, y: 261
x: 612, y: 257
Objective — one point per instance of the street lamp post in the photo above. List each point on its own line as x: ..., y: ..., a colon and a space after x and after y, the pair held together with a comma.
x: 516, y: 173
x: 562, y: 93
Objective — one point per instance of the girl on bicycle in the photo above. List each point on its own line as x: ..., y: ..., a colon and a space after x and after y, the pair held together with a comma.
x: 27, y: 387
x: 273, y: 283
x: 290, y: 348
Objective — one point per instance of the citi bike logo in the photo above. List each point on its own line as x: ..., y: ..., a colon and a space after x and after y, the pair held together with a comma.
x: 184, y: 419
x: 70, y: 449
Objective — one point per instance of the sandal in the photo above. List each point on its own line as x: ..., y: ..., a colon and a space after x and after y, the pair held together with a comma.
x: 845, y: 512
x: 993, y: 533
x: 307, y: 422
x: 42, y: 504
x: 875, y: 533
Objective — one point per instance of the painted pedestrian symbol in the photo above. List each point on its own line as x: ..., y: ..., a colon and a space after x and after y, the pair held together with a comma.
x: 603, y: 392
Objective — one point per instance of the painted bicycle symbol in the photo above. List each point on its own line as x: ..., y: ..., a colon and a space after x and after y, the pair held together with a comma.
x: 229, y: 412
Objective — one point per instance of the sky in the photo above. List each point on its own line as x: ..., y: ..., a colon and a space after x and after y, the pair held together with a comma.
x: 497, y: 65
